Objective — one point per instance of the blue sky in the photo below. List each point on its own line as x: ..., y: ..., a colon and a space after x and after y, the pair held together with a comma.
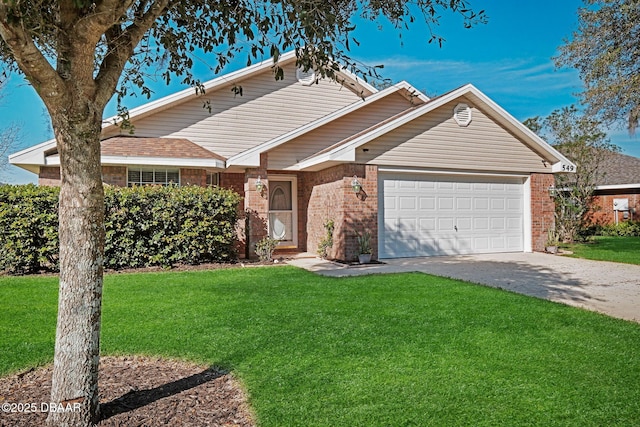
x: 509, y: 59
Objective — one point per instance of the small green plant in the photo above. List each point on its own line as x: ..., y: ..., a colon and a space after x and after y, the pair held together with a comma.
x: 552, y: 237
x: 265, y: 248
x: 364, y: 243
x: 553, y: 240
x: 327, y: 240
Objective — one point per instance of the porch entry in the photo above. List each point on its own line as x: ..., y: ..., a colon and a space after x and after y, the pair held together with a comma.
x: 283, y: 218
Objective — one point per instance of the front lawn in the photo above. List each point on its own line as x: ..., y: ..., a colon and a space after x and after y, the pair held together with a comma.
x: 382, y: 350
x: 615, y: 249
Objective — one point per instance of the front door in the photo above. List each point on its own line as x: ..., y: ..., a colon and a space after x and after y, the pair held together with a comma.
x: 283, y: 217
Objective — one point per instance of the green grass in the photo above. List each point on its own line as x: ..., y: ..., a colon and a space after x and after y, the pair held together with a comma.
x: 382, y: 350
x: 615, y: 249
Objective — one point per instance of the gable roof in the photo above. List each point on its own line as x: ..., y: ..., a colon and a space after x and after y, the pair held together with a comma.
x: 33, y: 157
x: 346, y: 149
x: 251, y: 157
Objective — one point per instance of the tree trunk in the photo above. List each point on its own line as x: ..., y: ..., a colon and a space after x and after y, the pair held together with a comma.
x: 74, y: 390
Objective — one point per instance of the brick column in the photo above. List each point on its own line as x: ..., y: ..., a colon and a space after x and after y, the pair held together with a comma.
x: 542, y: 210
x: 256, y: 205
x: 361, y: 210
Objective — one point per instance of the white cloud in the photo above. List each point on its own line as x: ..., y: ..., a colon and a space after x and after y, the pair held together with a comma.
x: 524, y: 86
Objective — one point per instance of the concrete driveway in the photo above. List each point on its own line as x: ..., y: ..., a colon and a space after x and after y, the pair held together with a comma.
x: 609, y: 288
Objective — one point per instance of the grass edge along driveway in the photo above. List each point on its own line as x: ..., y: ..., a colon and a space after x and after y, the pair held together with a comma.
x: 398, y: 350
x: 624, y: 249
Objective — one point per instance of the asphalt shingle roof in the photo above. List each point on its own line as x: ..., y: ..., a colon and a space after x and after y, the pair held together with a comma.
x: 621, y: 169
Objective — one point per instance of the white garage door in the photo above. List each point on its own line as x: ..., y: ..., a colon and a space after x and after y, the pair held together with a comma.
x: 426, y: 215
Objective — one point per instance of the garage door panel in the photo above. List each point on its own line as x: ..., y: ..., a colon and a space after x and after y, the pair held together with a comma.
x: 464, y: 203
x: 464, y: 224
x: 514, y: 205
x: 481, y: 203
x: 407, y: 224
x: 407, y: 203
x: 481, y: 243
x: 425, y: 215
x: 497, y: 204
x: 498, y: 224
x: 514, y: 223
x: 481, y: 224
x: 427, y: 224
x: 426, y: 185
x: 428, y: 203
x: 390, y: 203
x: 445, y: 224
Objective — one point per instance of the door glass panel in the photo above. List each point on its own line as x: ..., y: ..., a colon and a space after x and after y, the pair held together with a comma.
x: 280, y: 197
x: 280, y: 211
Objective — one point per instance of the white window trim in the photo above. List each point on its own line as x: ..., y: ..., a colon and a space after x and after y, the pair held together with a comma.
x: 147, y: 169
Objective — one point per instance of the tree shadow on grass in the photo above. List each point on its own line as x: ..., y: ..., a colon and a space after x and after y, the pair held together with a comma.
x: 139, y: 398
x: 524, y: 278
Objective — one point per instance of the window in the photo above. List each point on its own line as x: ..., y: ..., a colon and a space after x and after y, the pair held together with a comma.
x: 213, y: 179
x: 151, y: 176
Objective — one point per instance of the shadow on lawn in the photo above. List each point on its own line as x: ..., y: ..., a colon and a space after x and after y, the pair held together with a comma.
x: 137, y: 399
x: 540, y: 281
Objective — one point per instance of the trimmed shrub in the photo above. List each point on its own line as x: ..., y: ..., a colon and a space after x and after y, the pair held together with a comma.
x: 145, y: 226
x: 624, y: 228
x: 148, y: 226
x: 28, y: 228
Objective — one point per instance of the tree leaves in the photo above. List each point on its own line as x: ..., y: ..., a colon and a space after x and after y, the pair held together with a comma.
x: 606, y: 53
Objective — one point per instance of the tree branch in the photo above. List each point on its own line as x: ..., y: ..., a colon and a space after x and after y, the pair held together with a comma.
x: 121, y: 44
x: 38, y: 71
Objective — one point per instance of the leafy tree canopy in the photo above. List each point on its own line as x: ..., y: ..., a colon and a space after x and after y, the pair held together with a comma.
x: 143, y: 34
x: 606, y: 53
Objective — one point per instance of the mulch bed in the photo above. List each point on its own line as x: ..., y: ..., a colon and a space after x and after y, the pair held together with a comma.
x: 140, y: 391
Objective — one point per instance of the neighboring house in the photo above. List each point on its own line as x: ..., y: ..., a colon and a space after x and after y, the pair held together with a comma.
x: 454, y: 174
x: 617, y: 195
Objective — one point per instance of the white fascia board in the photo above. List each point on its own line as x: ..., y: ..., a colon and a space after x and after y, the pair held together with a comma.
x: 251, y: 157
x: 618, y: 187
x: 151, y: 161
x: 412, y: 90
x: 162, y: 161
x: 33, y: 155
x: 358, y: 80
x: 563, y: 167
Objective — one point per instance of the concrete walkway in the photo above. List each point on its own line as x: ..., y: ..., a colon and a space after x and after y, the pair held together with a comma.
x: 605, y: 287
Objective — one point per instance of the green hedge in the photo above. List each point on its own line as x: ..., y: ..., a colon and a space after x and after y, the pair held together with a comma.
x: 29, y: 228
x: 623, y: 228
x: 145, y: 226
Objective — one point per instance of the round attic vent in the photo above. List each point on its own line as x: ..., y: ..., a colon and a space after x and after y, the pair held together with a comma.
x: 307, y: 78
x: 462, y: 114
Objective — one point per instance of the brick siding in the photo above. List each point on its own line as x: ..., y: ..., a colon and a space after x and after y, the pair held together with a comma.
x: 115, y: 175
x: 49, y: 176
x: 328, y: 195
x: 193, y: 177
x: 542, y: 210
x: 602, y: 212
